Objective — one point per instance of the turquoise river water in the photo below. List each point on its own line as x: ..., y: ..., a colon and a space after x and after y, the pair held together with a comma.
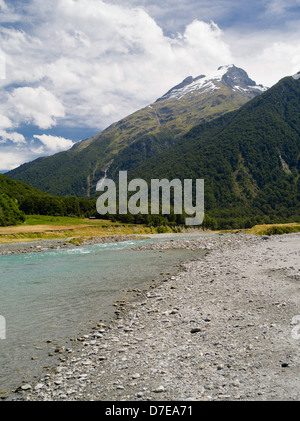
x: 57, y: 295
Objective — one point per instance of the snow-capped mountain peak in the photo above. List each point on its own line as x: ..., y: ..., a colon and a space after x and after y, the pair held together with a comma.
x: 229, y: 76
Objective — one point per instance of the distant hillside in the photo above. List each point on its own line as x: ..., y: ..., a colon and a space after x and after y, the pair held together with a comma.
x: 18, y: 199
x: 249, y: 159
x: 145, y: 133
x: 10, y: 214
x: 17, y: 189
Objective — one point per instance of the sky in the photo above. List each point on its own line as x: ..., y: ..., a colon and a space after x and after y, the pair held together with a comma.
x: 70, y: 68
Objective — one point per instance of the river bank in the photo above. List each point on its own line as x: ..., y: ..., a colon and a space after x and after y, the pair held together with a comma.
x: 42, y: 245
x: 57, y: 244
x: 223, y: 328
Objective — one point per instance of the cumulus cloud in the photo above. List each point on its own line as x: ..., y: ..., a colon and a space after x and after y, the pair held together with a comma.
x: 5, y: 123
x: 13, y: 137
x: 285, y: 54
x: 5, y: 136
x: 53, y: 143
x: 3, y: 5
x: 92, y: 62
x: 2, y: 66
x: 10, y: 160
x: 14, y: 150
x: 275, y: 57
x: 101, y: 60
x: 207, y: 40
x: 95, y: 62
x: 36, y: 105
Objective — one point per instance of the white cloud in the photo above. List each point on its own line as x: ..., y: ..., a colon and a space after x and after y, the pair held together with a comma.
x: 108, y: 109
x: 53, y: 143
x: 5, y: 123
x: 91, y: 62
x: 11, y: 160
x: 36, y: 105
x: 277, y: 7
x: 101, y: 61
x: 3, y: 6
x: 2, y: 66
x: 99, y: 57
x: 13, y: 137
x: 14, y: 150
x: 285, y: 54
x: 206, y: 39
x: 266, y: 56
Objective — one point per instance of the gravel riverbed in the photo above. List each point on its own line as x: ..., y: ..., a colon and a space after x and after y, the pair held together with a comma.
x: 224, y: 328
x: 57, y: 244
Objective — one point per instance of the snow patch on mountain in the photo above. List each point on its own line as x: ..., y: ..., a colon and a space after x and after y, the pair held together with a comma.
x: 230, y: 76
x: 296, y: 76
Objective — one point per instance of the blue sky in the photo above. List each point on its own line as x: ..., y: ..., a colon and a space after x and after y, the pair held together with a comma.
x: 70, y: 68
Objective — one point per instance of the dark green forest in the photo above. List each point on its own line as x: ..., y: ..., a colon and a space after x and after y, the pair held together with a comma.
x: 10, y: 214
x: 19, y: 199
x: 249, y: 159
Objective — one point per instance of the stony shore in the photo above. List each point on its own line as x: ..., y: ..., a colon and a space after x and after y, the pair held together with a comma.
x: 223, y: 328
x: 56, y: 244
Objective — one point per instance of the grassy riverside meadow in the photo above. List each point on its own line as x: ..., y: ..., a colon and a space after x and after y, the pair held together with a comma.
x: 76, y: 230
x: 38, y: 227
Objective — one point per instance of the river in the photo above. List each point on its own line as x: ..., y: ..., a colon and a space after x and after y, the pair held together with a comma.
x: 50, y: 297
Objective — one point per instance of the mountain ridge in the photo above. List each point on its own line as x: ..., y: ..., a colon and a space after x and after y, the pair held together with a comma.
x: 229, y: 75
x: 134, y: 139
x: 249, y: 159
